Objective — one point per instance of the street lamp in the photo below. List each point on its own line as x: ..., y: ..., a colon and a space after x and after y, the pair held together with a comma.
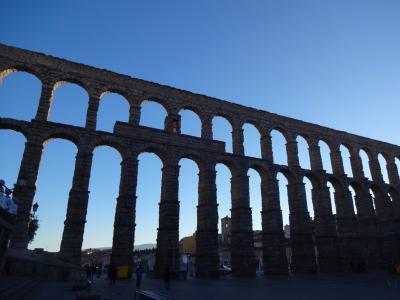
x: 35, y: 208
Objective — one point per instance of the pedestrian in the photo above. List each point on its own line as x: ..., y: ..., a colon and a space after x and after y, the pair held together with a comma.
x: 167, y: 278
x: 112, y: 274
x: 139, y: 272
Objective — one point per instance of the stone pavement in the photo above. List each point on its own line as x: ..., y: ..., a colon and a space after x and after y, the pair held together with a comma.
x: 326, y: 287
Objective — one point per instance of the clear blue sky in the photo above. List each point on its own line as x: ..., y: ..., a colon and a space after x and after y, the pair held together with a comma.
x: 335, y: 63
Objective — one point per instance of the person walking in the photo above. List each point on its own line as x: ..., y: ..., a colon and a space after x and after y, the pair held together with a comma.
x: 112, y: 274
x: 139, y: 272
x: 167, y: 278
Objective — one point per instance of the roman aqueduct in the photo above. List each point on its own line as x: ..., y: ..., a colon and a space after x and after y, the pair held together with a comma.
x: 372, y: 233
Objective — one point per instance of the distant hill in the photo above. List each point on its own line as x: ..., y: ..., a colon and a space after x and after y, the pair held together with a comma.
x: 137, y: 247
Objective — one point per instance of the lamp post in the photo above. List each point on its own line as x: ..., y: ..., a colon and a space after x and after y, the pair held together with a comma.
x: 35, y: 208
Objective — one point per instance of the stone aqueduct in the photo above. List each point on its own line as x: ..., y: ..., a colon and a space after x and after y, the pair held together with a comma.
x: 373, y: 233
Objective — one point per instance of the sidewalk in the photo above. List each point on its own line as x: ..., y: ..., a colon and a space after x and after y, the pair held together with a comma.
x: 324, y: 287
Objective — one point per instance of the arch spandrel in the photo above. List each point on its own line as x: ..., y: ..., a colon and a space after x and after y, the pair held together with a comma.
x: 18, y: 126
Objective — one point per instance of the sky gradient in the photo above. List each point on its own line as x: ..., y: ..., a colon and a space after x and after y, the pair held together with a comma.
x: 334, y: 63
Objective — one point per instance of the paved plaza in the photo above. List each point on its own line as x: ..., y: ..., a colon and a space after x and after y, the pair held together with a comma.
x: 337, y: 286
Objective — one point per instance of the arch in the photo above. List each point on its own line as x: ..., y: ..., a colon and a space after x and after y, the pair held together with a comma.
x: 109, y: 141
x: 345, y: 153
x: 61, y: 133
x: 353, y: 198
x: 164, y: 103
x: 279, y: 146
x: 10, y: 124
x: 69, y: 104
x: 397, y: 162
x: 148, y: 197
x: 304, y: 154
x: 252, y: 139
x: 153, y: 114
x: 255, y: 197
x: 283, y: 181
x: 383, y: 166
x: 19, y: 89
x: 188, y: 198
x: 222, y: 131
x: 103, y: 186
x: 365, y: 163
x: 157, y: 150
x: 191, y: 123
x: 325, y: 156
x: 309, y: 186
x: 13, y: 144
x: 113, y: 107
x: 194, y: 156
x: 332, y: 190
x: 52, y: 192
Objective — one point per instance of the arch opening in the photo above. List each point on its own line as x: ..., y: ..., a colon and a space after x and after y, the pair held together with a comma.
x: 325, y: 156
x: 19, y: 89
x: 383, y: 166
x: 304, y: 155
x: 252, y: 138
x: 222, y: 131
x: 103, y: 187
x: 345, y: 152
x: 365, y: 164
x: 190, y: 123
x: 69, y: 104
x: 113, y: 107
x: 152, y: 114
x: 279, y: 147
x: 52, y: 192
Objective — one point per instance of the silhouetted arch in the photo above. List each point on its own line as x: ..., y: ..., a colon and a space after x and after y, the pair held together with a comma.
x: 222, y: 131
x: 279, y: 147
x: 252, y: 137
x: 190, y: 122
x: 69, y: 104
x: 113, y: 107
x: 52, y: 192
x: 365, y: 163
x: 325, y: 156
x: 19, y: 89
x: 383, y: 166
x: 304, y: 153
x: 153, y: 114
x: 255, y: 197
x: 345, y: 152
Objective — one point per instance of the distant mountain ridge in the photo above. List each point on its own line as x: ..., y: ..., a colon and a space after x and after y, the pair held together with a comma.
x: 136, y: 247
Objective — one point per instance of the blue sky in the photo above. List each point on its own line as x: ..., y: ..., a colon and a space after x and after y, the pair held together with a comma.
x: 335, y: 63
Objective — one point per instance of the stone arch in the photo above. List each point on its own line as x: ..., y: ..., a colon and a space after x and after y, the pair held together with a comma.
x: 9, y: 124
x: 345, y: 153
x: 53, y: 188
x: 102, y: 201
x: 58, y: 133
x: 20, y: 68
x: 255, y: 180
x: 108, y: 141
x: 11, y: 154
x: 279, y: 140
x: 303, y: 150
x: 283, y: 176
x: 155, y: 114
x: 22, y: 88
x: 383, y: 166
x: 225, y: 134
x: 65, y: 91
x: 191, y: 122
x: 365, y: 156
x: 310, y: 183
x: 113, y: 107
x: 252, y: 140
x: 188, y: 198
x: 325, y: 149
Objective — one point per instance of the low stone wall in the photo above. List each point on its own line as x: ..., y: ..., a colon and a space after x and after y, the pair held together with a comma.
x: 42, y: 266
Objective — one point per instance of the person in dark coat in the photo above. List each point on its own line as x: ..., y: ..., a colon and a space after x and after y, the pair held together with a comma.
x: 112, y: 274
x: 167, y: 278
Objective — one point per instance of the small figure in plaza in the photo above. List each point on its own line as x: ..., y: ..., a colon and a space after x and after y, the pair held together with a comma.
x: 112, y: 274
x: 167, y: 278
x: 139, y: 273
